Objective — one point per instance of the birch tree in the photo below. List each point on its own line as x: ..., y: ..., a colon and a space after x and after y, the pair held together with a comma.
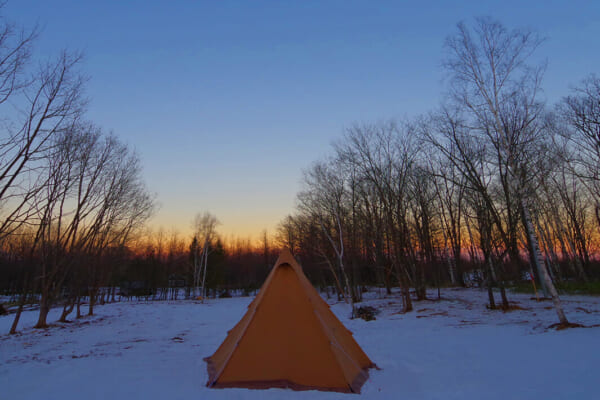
x: 204, y: 226
x: 324, y: 198
x: 496, y: 88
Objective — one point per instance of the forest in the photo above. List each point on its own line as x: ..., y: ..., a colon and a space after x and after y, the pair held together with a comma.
x: 493, y: 188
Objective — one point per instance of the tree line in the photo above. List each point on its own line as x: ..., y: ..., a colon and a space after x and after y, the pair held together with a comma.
x: 494, y: 185
x: 71, y: 195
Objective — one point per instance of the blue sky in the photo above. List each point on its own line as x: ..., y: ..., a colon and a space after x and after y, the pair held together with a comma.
x: 227, y: 101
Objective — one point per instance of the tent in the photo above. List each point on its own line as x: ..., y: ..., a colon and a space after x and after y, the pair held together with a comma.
x: 289, y: 338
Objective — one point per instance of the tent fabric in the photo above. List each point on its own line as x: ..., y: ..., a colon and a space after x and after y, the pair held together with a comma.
x: 289, y: 338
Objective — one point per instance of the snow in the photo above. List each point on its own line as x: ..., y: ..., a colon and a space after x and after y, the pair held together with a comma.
x: 449, y: 349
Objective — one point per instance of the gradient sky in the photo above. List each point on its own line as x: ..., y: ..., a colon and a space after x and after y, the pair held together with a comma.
x: 227, y: 101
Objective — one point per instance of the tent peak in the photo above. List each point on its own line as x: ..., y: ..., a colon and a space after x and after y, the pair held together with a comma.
x: 285, y: 257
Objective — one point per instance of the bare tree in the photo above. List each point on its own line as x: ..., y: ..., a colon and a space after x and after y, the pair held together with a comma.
x: 124, y: 206
x: 287, y: 234
x: 92, y: 201
x: 204, y: 226
x: 496, y: 90
x: 384, y: 156
x: 581, y: 112
x: 49, y: 105
x: 450, y: 188
x: 324, y: 199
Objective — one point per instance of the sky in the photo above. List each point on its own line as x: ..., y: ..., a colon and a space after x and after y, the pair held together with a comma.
x: 226, y: 102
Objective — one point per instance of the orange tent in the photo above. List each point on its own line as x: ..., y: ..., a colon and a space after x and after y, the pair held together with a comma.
x: 289, y: 338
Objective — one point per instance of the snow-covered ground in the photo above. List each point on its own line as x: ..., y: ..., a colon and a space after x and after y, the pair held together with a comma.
x: 448, y: 349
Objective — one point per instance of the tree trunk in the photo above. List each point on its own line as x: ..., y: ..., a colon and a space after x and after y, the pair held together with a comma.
x: 347, y: 285
x: 338, y: 285
x: 421, y: 289
x: 205, y: 265
x: 67, y: 309
x: 44, y: 309
x: 387, y: 279
x: 13, y: 328
x: 540, y: 265
x: 449, y: 261
x: 93, y: 293
x: 505, y: 304
x: 407, y: 300
x: 451, y: 268
x: 490, y: 281
x: 549, y: 250
x: 535, y: 254
x: 340, y: 256
x: 79, y: 307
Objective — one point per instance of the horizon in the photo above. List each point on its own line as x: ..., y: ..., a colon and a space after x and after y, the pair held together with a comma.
x: 227, y: 103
